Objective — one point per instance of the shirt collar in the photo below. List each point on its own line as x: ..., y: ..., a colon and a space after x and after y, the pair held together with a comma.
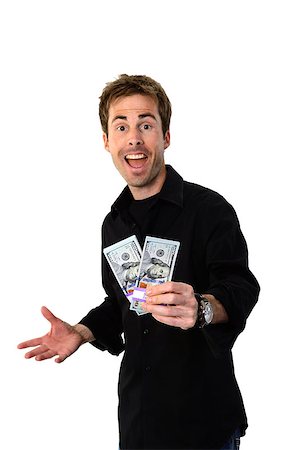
x: 172, y: 191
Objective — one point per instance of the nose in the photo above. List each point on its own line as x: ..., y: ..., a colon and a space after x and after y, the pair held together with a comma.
x: 133, y: 142
x: 135, y: 139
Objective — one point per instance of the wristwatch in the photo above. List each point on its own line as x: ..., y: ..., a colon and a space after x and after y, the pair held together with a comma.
x: 205, y: 311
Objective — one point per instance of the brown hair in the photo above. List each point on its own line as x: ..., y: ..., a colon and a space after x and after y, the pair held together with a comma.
x: 126, y: 85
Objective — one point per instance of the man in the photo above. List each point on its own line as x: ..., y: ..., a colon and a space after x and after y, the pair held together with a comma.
x: 177, y: 388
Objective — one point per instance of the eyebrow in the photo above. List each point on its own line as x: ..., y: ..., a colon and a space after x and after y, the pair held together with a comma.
x: 140, y: 116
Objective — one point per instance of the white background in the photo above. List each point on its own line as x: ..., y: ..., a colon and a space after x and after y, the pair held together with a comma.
x: 231, y: 71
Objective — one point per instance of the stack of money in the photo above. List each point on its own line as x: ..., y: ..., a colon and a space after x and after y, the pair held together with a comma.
x: 124, y: 259
x: 135, y: 270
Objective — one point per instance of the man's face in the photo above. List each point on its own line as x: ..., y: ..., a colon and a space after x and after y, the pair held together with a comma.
x: 157, y: 271
x: 136, y: 143
x: 132, y: 273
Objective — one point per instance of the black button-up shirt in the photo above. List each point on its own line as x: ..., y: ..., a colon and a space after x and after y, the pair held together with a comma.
x: 177, y: 389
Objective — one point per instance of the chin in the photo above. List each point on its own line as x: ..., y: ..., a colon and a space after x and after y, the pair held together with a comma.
x: 137, y: 180
x: 137, y: 183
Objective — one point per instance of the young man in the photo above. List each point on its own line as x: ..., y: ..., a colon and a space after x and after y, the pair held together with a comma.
x: 177, y: 386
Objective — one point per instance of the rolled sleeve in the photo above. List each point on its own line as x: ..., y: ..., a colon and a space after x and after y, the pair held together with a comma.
x: 105, y: 323
x: 230, y: 280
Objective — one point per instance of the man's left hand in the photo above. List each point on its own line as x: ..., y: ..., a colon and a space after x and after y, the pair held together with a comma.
x: 172, y: 303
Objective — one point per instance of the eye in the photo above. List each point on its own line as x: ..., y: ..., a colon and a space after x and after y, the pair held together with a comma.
x: 146, y: 126
x: 121, y: 128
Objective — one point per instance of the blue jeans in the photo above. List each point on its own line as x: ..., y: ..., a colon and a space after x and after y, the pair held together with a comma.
x: 234, y: 442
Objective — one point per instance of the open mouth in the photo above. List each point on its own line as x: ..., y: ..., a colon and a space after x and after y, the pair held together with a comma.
x: 136, y: 160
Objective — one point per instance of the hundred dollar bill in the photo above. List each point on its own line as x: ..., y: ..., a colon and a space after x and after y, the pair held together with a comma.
x: 156, y: 267
x: 124, y: 259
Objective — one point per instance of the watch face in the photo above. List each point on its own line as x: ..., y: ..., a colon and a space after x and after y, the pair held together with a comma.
x: 208, y: 312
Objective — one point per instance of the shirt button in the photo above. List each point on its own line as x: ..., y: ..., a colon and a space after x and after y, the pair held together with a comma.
x: 146, y: 331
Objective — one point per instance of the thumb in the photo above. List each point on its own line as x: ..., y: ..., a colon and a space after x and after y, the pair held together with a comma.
x: 48, y: 314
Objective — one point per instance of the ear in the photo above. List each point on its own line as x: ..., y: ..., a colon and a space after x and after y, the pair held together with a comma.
x: 106, y: 142
x: 167, y: 139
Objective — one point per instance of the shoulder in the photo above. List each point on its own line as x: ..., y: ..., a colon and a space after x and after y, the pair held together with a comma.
x: 107, y: 219
x: 208, y: 206
x: 107, y: 226
x: 202, y: 196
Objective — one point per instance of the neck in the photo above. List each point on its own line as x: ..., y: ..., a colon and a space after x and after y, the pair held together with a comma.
x: 150, y: 189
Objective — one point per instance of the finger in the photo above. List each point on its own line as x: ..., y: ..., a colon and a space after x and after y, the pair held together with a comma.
x: 37, y: 351
x: 61, y: 358
x: 30, y: 343
x: 166, y: 299
x: 48, y: 314
x: 45, y: 355
x: 178, y: 322
x: 164, y: 288
x: 162, y: 310
x: 172, y: 321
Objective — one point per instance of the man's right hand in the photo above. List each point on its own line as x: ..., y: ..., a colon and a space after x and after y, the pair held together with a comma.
x: 63, y: 339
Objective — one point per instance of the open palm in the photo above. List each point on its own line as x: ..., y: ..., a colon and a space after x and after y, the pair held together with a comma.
x: 62, y: 340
